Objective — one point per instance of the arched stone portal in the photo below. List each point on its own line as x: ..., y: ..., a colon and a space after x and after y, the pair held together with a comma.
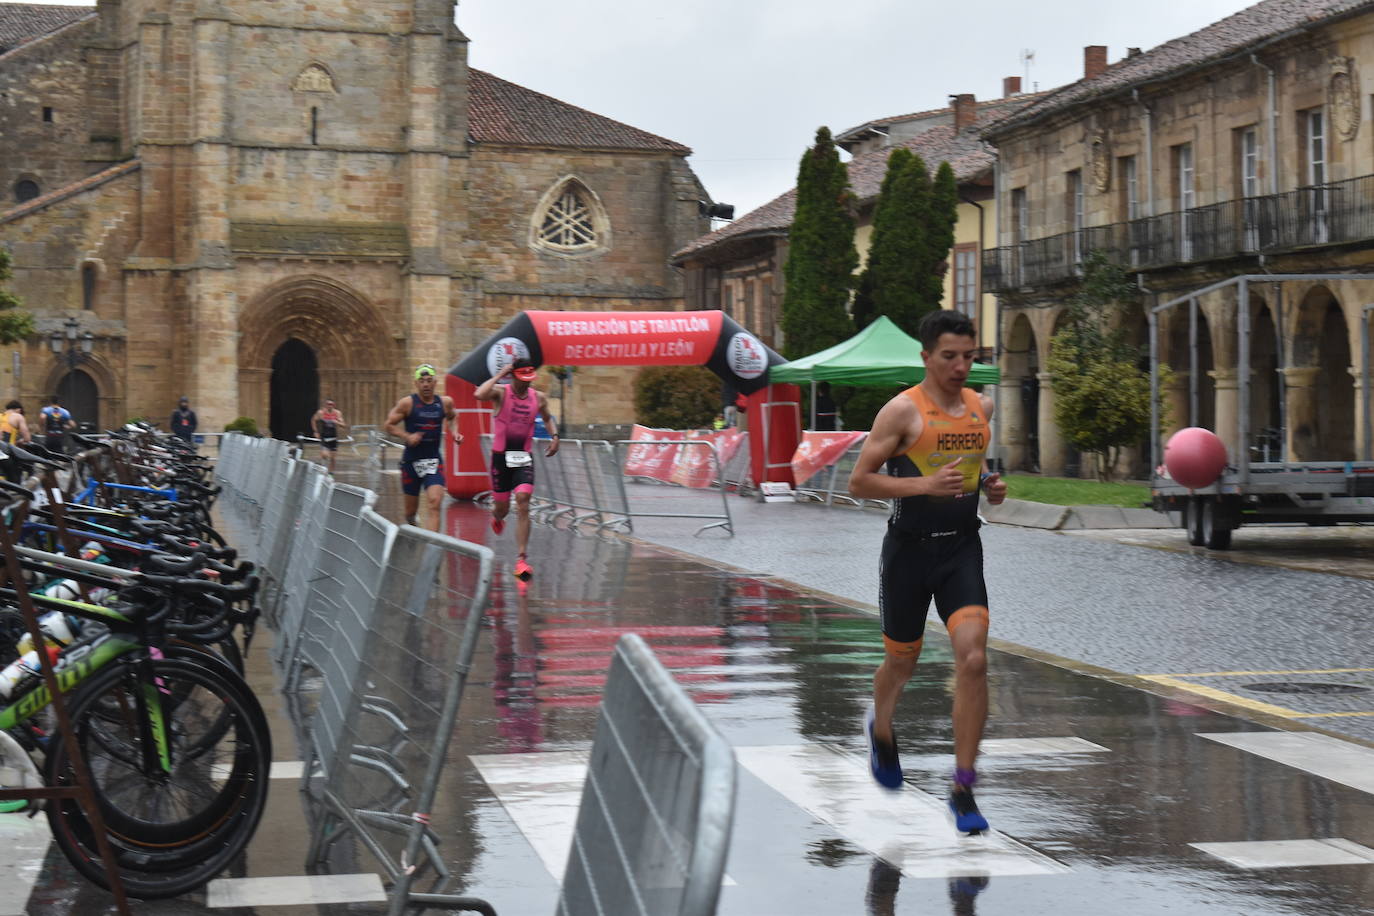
x: 1320, y: 399
x: 356, y: 358
x: 1019, y: 401
x: 81, y: 396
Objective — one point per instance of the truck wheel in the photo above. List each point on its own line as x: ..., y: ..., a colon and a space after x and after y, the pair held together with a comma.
x: 1215, y: 536
x: 1192, y: 520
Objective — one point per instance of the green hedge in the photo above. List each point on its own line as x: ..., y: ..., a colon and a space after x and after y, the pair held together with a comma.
x: 677, y: 397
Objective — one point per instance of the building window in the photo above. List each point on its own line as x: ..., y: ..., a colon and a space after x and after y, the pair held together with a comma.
x: 1020, y: 217
x: 25, y: 189
x: 966, y: 279
x: 89, y: 276
x: 570, y: 220
x: 1073, y: 202
x: 47, y: 114
x: 1129, y: 188
x: 749, y: 306
x: 1247, y: 175
x: 1184, y: 197
x: 1315, y: 194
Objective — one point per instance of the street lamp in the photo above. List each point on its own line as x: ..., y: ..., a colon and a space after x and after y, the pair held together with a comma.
x: 72, y: 345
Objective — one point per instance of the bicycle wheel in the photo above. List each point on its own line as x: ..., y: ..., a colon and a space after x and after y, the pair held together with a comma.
x: 171, y: 832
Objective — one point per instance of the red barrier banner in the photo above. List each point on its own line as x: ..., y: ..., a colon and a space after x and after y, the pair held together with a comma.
x: 820, y: 450
x: 694, y: 467
x: 652, y: 460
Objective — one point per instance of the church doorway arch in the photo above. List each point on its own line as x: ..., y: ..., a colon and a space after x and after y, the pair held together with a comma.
x: 80, y: 395
x: 352, y: 349
x: 295, y: 389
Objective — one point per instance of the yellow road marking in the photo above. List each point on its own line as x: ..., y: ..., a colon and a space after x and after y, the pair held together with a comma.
x: 1254, y: 673
x: 1235, y: 700
x: 1283, y: 712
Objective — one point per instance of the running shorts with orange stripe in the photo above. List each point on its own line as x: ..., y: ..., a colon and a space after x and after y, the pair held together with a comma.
x: 918, y: 568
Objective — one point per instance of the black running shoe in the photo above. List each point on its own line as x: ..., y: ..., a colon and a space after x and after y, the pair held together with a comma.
x: 965, y: 810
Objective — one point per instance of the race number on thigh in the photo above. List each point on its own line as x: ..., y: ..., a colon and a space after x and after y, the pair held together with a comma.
x: 516, y: 459
x: 425, y: 466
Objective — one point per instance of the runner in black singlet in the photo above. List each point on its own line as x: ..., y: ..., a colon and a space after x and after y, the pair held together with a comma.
x: 932, y: 438
x: 418, y: 421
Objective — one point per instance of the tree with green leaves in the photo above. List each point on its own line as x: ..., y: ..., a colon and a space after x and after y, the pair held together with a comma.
x: 913, y: 231
x: 15, y: 325
x: 1101, y: 395
x: 821, y: 258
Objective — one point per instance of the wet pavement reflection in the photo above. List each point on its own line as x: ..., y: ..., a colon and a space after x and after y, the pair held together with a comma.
x: 1101, y: 823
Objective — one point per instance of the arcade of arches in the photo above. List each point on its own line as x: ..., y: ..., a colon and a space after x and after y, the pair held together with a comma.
x: 310, y: 338
x: 1305, y: 391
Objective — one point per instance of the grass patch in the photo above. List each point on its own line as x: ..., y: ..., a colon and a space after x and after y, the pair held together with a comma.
x: 1066, y: 491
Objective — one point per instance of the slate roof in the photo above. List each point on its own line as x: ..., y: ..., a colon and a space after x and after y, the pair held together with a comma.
x: 966, y: 153
x: 21, y: 23
x: 1241, y: 32
x: 502, y: 112
x: 987, y: 109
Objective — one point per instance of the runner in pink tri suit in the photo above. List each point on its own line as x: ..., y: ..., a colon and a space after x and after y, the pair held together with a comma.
x: 512, y: 465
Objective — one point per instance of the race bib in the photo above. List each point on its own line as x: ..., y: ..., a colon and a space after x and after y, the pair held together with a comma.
x: 425, y: 466
x: 518, y: 459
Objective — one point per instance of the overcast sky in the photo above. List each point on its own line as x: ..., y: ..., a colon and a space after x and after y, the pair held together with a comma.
x: 745, y: 83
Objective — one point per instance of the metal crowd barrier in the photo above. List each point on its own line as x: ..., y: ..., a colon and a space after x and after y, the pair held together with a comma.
x: 638, y: 507
x: 387, y: 619
x: 830, y: 485
x: 653, y: 827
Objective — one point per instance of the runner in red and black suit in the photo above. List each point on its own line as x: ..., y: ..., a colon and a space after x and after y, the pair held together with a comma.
x: 512, y: 466
x: 932, y: 438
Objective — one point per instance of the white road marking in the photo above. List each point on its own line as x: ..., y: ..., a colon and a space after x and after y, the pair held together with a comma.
x: 25, y: 841
x: 908, y: 828
x: 1321, y: 755
x: 295, y: 890
x: 1289, y: 853
x: 281, y: 769
x: 1006, y: 747
x: 542, y: 793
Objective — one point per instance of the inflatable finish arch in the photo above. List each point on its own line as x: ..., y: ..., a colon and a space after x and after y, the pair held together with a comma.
x: 700, y: 338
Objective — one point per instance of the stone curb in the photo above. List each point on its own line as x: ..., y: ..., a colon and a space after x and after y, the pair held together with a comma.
x: 1025, y: 514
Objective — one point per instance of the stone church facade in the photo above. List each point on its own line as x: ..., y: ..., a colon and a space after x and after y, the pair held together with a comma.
x: 261, y: 204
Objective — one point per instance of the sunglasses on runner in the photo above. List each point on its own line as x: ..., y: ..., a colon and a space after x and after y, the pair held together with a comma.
x: 526, y: 373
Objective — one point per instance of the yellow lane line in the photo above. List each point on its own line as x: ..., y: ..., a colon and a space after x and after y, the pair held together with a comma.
x: 1332, y: 715
x: 1234, y: 699
x: 1254, y: 673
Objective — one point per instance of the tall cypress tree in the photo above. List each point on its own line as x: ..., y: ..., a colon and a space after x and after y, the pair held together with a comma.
x: 821, y: 257
x: 892, y: 281
x: 942, y: 215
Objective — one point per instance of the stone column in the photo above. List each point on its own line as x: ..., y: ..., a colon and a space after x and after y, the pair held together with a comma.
x: 1226, y: 384
x: 1053, y: 455
x: 1011, y: 423
x: 1301, y: 406
x: 1357, y: 379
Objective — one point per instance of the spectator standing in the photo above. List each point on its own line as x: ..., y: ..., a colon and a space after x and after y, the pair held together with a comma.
x: 184, y: 421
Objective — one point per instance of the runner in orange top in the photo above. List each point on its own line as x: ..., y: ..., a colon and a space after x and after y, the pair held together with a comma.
x: 933, y: 438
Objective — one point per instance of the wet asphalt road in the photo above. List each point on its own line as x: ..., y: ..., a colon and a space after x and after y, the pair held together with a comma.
x: 772, y: 665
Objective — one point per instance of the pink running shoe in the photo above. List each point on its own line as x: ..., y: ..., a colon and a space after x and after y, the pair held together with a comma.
x: 523, y: 570
x: 497, y: 525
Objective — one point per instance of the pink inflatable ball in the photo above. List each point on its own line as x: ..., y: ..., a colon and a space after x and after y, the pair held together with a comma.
x: 1195, y: 457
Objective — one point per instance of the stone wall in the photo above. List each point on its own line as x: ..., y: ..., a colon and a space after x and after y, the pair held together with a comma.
x: 47, y: 73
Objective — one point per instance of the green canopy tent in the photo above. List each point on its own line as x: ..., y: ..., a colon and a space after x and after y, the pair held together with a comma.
x: 880, y: 354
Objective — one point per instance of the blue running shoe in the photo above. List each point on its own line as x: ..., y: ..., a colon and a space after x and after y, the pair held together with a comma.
x: 965, y: 810
x: 882, y: 757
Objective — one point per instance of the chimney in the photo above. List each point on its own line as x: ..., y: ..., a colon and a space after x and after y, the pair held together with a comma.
x: 965, y: 111
x: 1011, y: 86
x: 1132, y: 52
x: 1094, y: 61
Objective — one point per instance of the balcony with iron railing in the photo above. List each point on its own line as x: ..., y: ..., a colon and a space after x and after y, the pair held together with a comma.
x: 1337, y: 213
